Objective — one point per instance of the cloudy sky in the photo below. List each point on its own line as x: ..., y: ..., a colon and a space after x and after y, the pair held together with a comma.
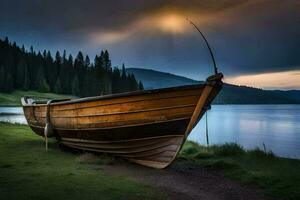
x: 255, y: 42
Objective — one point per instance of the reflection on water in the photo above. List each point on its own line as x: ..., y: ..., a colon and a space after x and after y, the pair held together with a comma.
x: 12, y: 114
x: 278, y: 126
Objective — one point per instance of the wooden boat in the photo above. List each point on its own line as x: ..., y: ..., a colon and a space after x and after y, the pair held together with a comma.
x: 146, y: 127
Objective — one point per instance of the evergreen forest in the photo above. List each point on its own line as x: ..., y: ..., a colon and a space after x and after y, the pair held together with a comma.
x: 22, y: 69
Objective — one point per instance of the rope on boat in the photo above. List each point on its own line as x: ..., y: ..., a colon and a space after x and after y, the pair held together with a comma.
x: 207, y: 108
x: 48, y: 131
x: 206, y: 127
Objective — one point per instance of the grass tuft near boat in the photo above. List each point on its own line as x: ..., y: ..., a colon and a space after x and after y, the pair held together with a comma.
x: 147, y: 127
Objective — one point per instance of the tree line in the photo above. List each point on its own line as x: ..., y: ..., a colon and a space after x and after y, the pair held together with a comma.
x: 29, y: 70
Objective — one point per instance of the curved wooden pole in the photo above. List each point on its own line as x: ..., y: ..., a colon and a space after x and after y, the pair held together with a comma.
x: 208, y: 46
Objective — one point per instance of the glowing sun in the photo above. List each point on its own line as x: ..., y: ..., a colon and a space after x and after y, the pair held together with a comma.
x: 172, y: 23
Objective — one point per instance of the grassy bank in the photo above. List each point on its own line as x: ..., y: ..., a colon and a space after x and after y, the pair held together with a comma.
x: 27, y: 171
x: 14, y: 98
x: 278, y: 177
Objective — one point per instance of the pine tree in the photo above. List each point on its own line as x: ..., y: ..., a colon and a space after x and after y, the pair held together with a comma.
x: 6, y: 41
x: 58, y: 59
x: 87, y: 61
x: 75, y: 87
x: 124, y: 87
x: 26, y: 84
x: 79, y: 62
x: 56, y: 70
x: 41, y: 83
x: 2, y: 78
x: 70, y: 60
x: 50, y: 69
x: 64, y: 58
x: 116, y: 77
x: 133, y: 85
x: 10, y: 61
x: 23, y: 49
x: 68, y: 76
x: 31, y: 50
x: 141, y: 86
x: 107, y: 62
x: 9, y: 83
x: 58, y: 87
x: 21, y: 70
x: 43, y: 87
x: 123, y: 72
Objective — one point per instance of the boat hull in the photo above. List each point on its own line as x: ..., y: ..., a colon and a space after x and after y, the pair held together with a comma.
x: 146, y: 127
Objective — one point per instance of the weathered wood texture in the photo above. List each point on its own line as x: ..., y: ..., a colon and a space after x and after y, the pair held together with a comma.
x: 146, y: 127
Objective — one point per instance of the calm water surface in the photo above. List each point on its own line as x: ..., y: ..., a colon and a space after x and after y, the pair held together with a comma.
x: 12, y: 114
x: 278, y: 126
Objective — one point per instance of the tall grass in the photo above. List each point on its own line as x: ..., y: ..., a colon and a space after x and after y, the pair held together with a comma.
x: 279, y: 177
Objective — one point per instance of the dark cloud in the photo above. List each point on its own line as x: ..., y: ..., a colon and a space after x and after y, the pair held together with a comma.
x: 247, y: 36
x: 77, y: 15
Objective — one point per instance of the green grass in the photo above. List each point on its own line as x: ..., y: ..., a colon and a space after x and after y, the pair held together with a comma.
x: 27, y: 171
x: 14, y: 98
x: 278, y: 177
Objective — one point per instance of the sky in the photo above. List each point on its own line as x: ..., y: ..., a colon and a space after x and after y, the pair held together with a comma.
x: 255, y: 42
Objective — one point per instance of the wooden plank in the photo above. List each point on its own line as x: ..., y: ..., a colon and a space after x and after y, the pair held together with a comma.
x: 124, y: 107
x: 128, y: 99
x: 111, y: 128
x: 170, y: 147
x: 148, y: 139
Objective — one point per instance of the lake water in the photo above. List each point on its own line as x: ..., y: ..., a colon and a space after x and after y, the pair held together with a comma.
x: 12, y: 114
x: 277, y: 126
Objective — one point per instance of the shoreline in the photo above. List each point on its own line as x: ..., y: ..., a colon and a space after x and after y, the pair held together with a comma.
x: 13, y: 99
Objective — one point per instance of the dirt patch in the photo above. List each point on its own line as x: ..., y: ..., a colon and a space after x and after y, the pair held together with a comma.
x: 185, y: 180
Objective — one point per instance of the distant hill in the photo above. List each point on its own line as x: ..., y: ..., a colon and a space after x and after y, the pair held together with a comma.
x: 230, y: 94
x: 155, y: 79
x: 292, y: 94
x: 233, y: 94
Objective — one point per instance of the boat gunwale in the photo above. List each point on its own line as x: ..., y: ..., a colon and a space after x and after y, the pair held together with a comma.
x: 125, y: 102
x: 113, y: 104
x: 118, y: 95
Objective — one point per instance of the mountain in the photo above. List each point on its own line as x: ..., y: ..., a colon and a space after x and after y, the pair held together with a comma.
x: 293, y: 94
x: 230, y: 94
x: 233, y: 94
x: 155, y: 79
